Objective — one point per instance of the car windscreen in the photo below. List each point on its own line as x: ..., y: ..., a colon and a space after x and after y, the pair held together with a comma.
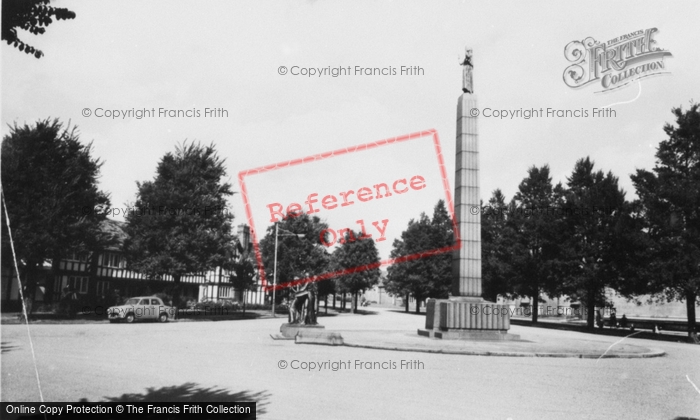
x: 132, y: 302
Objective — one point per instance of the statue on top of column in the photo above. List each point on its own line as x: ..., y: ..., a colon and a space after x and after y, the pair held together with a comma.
x: 467, y: 77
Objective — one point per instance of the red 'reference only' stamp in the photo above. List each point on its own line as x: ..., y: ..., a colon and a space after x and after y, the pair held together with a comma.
x: 274, y: 195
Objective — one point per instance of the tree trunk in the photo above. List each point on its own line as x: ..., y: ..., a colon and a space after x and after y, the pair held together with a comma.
x: 407, y: 297
x: 245, y: 292
x: 354, y: 302
x: 176, y: 294
x: 690, y: 298
x: 333, y: 300
x: 29, y: 289
x: 590, y: 312
x: 55, y: 269
x: 535, y: 307
x: 325, y: 304
x: 8, y: 289
x: 92, y: 260
x: 417, y: 305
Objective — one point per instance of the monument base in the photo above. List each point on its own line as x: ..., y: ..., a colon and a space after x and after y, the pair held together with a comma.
x: 290, y: 331
x: 318, y: 336
x: 469, y: 335
x: 467, y: 318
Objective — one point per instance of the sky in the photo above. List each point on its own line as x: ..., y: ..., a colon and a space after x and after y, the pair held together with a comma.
x: 222, y: 55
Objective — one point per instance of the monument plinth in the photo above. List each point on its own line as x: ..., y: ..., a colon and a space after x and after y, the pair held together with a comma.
x: 466, y: 315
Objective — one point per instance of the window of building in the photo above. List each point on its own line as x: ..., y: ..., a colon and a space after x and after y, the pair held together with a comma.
x: 77, y: 256
x: 79, y: 284
x: 102, y: 288
x: 58, y: 284
x: 112, y: 259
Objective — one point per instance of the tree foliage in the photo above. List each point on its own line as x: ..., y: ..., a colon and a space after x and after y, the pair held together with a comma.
x: 497, y: 243
x: 669, y: 198
x: 244, y: 274
x: 537, y: 236
x: 181, y: 224
x: 297, y: 258
x: 361, y: 258
x: 428, y: 276
x: 595, y: 215
x: 552, y: 240
x: 244, y: 270
x: 49, y: 181
x: 32, y: 16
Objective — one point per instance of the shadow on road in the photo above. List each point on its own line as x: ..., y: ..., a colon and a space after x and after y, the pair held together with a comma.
x: 6, y: 347
x: 358, y: 312
x: 401, y: 311
x: 191, y: 392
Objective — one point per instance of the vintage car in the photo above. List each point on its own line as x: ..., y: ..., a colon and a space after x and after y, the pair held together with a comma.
x: 142, y: 308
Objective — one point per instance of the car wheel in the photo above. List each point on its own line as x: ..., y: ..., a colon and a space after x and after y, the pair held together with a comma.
x: 163, y: 317
x: 129, y: 318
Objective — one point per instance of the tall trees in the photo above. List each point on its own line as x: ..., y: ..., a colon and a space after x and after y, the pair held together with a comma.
x: 497, y: 248
x: 536, y: 246
x: 361, y: 258
x: 670, y: 201
x: 326, y: 288
x: 181, y: 224
x: 440, y: 265
x: 595, y: 212
x: 558, y: 241
x: 31, y: 15
x: 430, y: 275
x: 244, y: 278
x: 397, y: 282
x: 297, y: 257
x: 50, y: 187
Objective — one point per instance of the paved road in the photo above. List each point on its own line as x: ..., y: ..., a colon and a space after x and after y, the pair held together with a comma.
x: 219, y: 361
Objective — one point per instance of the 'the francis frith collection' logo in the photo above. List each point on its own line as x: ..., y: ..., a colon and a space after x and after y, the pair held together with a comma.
x: 615, y: 63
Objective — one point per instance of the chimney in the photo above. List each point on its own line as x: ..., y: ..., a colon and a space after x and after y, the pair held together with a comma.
x: 244, y: 236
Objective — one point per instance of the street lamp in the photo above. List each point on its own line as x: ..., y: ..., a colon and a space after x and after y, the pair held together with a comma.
x: 274, y: 276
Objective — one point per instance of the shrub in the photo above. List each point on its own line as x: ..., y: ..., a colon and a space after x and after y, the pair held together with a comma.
x: 185, y: 301
x: 47, y: 307
x: 231, y: 305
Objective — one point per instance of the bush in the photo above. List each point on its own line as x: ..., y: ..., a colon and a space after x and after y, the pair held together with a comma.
x: 257, y: 306
x: 186, y: 301
x: 47, y: 307
x: 230, y: 305
x: 281, y: 308
x: 166, y: 298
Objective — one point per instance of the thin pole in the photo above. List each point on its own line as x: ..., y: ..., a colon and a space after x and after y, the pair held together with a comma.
x: 274, y: 276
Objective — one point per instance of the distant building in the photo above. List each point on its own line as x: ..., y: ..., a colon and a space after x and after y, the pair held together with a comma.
x: 562, y: 307
x: 109, y: 278
x: 377, y: 295
x: 218, y: 286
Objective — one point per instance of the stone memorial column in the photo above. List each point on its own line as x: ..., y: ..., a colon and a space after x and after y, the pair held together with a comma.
x: 466, y: 315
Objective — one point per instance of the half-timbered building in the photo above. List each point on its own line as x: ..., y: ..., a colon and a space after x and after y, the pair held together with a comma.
x: 102, y: 278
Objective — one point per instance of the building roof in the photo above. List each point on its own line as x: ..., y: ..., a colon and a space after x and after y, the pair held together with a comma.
x: 115, y: 229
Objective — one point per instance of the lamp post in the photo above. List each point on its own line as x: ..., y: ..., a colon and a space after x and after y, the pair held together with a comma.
x: 274, y: 276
